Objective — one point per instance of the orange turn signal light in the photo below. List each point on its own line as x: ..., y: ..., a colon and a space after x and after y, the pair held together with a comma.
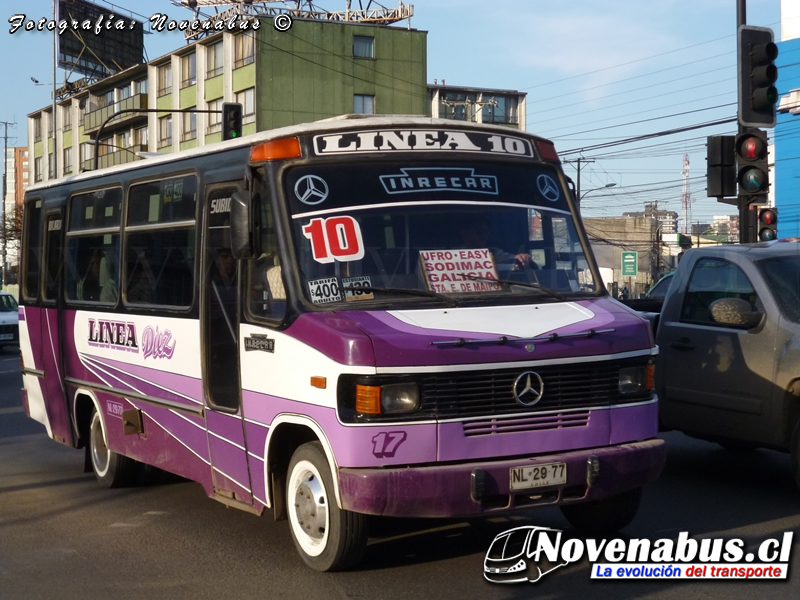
x: 368, y: 399
x: 650, y: 377
x: 276, y: 150
x: 319, y: 382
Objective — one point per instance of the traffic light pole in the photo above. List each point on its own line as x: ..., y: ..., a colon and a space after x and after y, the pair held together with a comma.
x: 745, y: 234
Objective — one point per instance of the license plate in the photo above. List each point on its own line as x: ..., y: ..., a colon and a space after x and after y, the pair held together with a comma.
x: 6, y: 336
x: 525, y: 478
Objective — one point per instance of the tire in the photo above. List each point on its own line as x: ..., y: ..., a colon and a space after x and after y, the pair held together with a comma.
x: 327, y: 537
x: 601, y: 517
x: 110, y: 469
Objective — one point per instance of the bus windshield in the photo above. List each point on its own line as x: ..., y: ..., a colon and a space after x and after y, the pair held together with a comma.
x: 482, y: 232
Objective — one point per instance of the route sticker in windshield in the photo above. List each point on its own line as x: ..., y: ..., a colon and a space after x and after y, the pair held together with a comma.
x: 351, y: 291
x: 439, y: 179
x: 459, y: 271
x: 323, y: 291
x: 335, y: 238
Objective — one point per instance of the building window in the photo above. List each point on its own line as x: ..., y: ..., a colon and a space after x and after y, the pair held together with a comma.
x: 140, y: 137
x: 247, y: 99
x: 106, y: 99
x: 51, y: 166
x: 125, y: 92
x: 141, y: 86
x: 244, y: 49
x: 502, y: 111
x: 189, y: 70
x: 214, y: 60
x: 37, y: 168
x: 165, y: 131
x: 124, y: 139
x: 66, y: 117
x: 363, y: 46
x: 37, y: 130
x: 164, y: 80
x: 67, y: 160
x: 364, y: 104
x: 49, y: 124
x: 215, y: 119
x: 189, y: 125
x: 86, y: 152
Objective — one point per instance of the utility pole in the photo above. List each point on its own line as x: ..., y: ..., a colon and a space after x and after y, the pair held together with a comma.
x: 3, y: 202
x: 578, y: 162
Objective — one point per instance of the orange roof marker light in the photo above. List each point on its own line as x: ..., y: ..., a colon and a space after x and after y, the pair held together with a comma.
x: 276, y: 150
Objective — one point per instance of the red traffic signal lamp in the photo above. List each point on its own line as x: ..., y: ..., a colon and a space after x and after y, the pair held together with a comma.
x: 752, y: 166
x: 231, y: 120
x: 767, y: 224
x: 757, y: 76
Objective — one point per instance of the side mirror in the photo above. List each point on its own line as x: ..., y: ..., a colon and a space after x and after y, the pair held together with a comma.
x: 242, y: 246
x: 735, y: 312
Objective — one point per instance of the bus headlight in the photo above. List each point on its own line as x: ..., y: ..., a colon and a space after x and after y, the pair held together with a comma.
x: 399, y: 398
x: 635, y: 380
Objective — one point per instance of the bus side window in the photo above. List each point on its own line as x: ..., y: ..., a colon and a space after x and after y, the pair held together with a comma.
x: 33, y: 249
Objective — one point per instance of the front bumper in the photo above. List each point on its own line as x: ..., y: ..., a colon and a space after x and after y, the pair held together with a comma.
x: 478, y: 488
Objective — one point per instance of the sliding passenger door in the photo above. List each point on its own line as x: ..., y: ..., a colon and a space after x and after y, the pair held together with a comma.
x: 219, y: 315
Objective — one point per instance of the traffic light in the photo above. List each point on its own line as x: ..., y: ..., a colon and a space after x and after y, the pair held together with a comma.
x: 231, y: 120
x: 767, y: 224
x: 757, y: 75
x: 721, y: 171
x: 752, y: 167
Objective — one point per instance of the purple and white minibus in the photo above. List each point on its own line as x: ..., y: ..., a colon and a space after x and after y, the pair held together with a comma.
x: 392, y: 316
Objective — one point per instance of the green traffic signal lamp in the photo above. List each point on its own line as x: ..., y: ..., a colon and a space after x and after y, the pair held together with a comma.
x: 231, y: 120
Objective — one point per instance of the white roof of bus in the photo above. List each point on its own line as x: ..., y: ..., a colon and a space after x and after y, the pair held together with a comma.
x: 340, y: 123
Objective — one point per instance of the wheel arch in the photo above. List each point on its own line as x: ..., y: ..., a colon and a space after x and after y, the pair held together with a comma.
x: 82, y: 404
x: 287, y: 433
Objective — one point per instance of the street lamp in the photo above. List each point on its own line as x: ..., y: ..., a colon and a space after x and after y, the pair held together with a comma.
x: 608, y: 185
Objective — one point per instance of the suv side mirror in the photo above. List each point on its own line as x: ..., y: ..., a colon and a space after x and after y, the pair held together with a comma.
x: 735, y: 312
x: 242, y: 225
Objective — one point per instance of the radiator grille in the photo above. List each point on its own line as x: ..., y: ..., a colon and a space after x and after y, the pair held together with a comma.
x: 545, y: 422
x: 478, y: 393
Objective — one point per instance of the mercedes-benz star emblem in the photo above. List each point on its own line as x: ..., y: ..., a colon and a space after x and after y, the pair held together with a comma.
x: 311, y: 189
x: 528, y: 388
x: 547, y: 187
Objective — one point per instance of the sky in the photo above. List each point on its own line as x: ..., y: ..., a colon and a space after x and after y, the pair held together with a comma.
x: 596, y: 75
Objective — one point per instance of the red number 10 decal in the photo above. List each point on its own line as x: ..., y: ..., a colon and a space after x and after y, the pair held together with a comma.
x: 336, y: 238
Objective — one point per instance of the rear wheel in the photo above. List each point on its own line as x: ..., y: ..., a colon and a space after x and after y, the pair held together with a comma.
x: 600, y: 517
x: 110, y: 469
x: 327, y: 537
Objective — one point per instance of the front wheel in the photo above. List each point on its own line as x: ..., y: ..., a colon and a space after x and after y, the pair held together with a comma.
x: 327, y: 537
x: 600, y: 517
x: 110, y: 469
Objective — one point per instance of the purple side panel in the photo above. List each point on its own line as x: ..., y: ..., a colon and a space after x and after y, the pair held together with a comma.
x: 160, y: 445
x: 256, y: 440
x: 54, y: 392
x: 335, y: 336
x: 227, y: 426
x: 230, y: 468
x: 353, y: 446
x: 228, y: 455
x: 398, y: 343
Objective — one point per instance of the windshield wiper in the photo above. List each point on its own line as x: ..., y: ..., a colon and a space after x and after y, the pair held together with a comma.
x: 526, y: 284
x: 410, y: 291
